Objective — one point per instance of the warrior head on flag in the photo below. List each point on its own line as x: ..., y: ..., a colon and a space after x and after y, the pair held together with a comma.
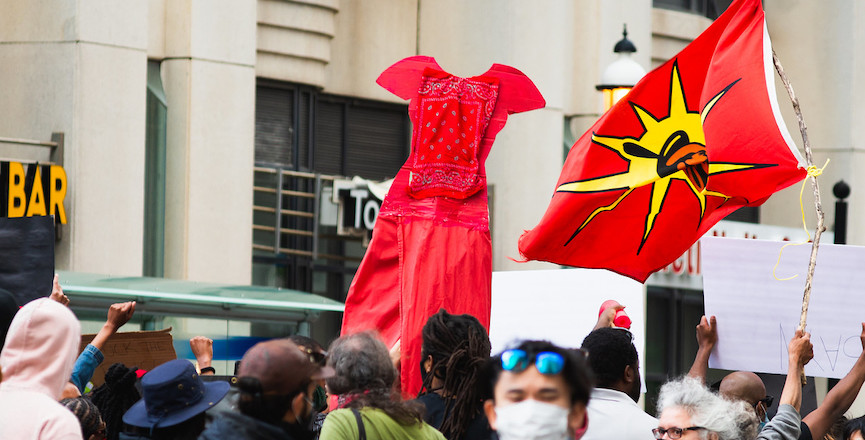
x: 696, y: 139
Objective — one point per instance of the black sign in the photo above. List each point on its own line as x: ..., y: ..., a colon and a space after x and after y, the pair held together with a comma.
x: 27, y: 257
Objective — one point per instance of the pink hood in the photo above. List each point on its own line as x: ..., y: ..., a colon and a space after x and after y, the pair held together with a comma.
x: 40, y: 348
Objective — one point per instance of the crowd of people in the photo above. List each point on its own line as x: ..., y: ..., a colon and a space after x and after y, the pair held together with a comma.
x: 292, y: 388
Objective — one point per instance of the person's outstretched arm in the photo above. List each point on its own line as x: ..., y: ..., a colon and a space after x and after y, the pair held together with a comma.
x: 202, y: 349
x: 839, y: 398
x: 707, y: 337
x: 91, y: 357
x: 800, y: 352
x: 786, y: 423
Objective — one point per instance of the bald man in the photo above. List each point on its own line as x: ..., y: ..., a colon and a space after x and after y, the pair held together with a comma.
x: 748, y: 387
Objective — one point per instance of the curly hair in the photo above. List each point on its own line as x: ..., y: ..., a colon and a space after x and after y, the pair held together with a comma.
x: 460, y: 347
x: 115, y: 396
x: 610, y: 351
x: 730, y: 420
x: 87, y: 414
x: 364, y: 371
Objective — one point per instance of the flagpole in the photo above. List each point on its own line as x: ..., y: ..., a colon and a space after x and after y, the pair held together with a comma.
x: 806, y: 298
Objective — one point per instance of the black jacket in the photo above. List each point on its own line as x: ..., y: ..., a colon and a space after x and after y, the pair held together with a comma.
x: 232, y: 425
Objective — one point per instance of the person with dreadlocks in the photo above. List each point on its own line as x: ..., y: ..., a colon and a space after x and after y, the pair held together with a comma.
x: 454, y: 351
x: 92, y: 425
x: 115, y: 396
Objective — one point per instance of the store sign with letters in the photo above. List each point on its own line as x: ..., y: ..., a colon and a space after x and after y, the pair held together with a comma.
x: 28, y: 190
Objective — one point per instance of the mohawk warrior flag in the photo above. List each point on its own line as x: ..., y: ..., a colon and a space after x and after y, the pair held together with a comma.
x: 696, y: 139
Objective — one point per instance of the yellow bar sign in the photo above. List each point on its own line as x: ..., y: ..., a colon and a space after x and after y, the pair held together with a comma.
x: 31, y: 190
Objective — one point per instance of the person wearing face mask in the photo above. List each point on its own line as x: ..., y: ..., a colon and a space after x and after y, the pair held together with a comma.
x: 316, y: 355
x: 613, y: 409
x: 277, y: 382
x: 540, y: 391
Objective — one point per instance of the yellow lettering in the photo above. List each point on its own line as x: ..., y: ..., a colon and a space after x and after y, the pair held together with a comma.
x: 17, y: 197
x: 36, y: 205
x: 57, y: 193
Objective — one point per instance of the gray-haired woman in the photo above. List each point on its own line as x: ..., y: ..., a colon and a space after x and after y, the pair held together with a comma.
x: 690, y: 411
x: 369, y: 407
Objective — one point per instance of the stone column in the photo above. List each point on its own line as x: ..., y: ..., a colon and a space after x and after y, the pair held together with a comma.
x: 80, y: 68
x: 209, y: 78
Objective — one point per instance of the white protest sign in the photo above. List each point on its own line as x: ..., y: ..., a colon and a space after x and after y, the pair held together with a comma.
x: 757, y: 314
x: 560, y: 306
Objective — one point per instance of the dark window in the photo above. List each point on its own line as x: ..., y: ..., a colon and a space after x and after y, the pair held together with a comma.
x: 708, y: 8
x: 302, y: 137
x: 301, y: 129
x: 672, y: 316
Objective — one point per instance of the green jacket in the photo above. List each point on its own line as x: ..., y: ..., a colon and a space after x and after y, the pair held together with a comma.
x: 342, y: 425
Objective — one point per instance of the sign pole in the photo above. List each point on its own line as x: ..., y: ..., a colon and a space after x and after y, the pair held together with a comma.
x: 812, y: 173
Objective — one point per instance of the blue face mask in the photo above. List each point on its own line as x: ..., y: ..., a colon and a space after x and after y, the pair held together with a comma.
x: 764, y: 421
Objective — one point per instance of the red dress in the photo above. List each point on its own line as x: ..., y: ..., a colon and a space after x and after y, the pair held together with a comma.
x: 431, y: 246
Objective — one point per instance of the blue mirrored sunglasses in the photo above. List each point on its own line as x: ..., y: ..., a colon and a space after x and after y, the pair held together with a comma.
x: 547, y: 362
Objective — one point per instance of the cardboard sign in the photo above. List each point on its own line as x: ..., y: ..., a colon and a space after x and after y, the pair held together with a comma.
x: 27, y: 257
x: 144, y: 349
x: 560, y: 306
x: 758, y: 315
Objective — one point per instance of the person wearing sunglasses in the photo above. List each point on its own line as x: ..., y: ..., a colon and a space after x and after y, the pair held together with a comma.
x: 540, y: 391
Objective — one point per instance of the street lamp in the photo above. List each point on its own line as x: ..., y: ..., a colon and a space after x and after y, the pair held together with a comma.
x: 841, y: 191
x: 621, y: 75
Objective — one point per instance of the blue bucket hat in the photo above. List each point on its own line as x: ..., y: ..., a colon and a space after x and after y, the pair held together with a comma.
x: 173, y: 393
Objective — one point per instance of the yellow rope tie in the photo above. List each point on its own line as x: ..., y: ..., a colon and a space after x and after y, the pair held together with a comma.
x: 813, y: 172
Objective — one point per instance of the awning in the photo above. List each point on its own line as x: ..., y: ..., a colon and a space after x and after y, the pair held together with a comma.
x: 161, y: 296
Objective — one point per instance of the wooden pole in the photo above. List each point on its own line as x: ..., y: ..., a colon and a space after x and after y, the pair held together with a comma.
x: 812, y: 263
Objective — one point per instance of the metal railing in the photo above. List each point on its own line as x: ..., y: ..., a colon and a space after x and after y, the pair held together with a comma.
x: 55, y: 146
x: 286, y: 210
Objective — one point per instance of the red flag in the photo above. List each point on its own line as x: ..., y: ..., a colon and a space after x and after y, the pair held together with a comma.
x: 696, y: 139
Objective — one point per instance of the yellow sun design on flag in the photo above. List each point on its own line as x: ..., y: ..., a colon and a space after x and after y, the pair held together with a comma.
x: 671, y: 148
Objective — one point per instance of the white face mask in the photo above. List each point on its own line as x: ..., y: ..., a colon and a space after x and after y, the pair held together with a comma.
x: 531, y: 420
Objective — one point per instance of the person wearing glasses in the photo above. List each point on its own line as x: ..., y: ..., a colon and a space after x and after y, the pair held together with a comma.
x: 613, y: 410
x: 540, y: 391
x: 747, y: 386
x: 690, y: 411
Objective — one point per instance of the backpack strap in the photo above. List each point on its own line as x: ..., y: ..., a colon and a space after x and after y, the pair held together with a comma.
x: 360, y: 427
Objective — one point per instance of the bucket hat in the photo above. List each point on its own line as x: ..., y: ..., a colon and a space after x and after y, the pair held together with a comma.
x: 173, y: 393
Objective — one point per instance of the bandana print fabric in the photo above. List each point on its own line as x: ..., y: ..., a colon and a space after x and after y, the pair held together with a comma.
x: 454, y: 113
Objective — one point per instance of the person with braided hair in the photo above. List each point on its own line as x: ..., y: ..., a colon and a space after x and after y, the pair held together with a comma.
x: 115, y: 396
x: 454, y: 353
x: 92, y: 425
